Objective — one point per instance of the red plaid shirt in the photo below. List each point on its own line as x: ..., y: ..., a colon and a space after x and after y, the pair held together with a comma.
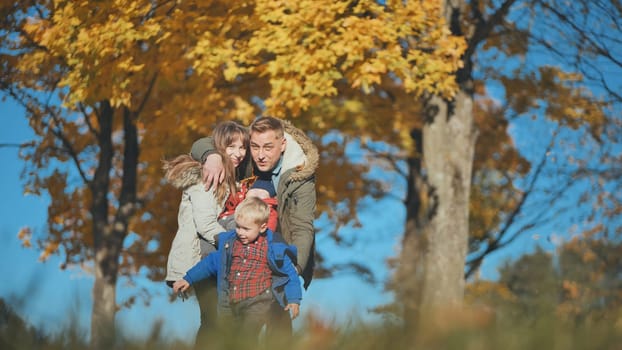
x: 250, y: 274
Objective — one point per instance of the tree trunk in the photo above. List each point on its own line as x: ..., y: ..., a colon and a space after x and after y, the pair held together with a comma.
x: 448, y: 147
x: 431, y: 271
x: 104, y: 300
x: 109, y: 231
x: 437, y: 229
x: 104, y: 297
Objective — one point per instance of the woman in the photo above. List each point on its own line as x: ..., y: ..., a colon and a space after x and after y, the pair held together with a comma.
x: 199, y: 209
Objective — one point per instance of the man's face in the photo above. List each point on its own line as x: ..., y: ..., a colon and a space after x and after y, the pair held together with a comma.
x: 266, y: 149
x: 247, y: 230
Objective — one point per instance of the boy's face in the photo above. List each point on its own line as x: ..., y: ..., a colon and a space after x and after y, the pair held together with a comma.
x: 247, y: 230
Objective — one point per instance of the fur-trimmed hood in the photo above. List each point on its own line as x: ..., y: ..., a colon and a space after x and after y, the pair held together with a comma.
x: 300, y: 154
x: 183, y: 174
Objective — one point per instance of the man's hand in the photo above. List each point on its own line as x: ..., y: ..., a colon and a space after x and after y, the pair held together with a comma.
x: 294, y: 309
x: 213, y: 171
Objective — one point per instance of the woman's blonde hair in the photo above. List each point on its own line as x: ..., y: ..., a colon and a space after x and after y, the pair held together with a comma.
x: 224, y: 134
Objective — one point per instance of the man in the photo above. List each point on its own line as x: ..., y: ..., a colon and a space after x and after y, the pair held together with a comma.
x: 285, y: 155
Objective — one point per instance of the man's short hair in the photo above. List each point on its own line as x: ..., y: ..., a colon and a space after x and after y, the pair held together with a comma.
x: 253, y: 209
x: 263, y: 124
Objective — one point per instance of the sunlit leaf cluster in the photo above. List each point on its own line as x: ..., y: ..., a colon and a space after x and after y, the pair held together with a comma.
x: 305, y: 47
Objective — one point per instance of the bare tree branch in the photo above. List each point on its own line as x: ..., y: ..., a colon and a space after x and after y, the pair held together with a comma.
x: 23, y: 99
x: 498, y: 242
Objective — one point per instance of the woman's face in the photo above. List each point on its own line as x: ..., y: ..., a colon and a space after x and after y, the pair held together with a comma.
x: 236, y: 151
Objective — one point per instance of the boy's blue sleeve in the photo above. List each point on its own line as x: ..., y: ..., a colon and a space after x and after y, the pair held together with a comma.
x: 207, y: 267
x: 293, y: 290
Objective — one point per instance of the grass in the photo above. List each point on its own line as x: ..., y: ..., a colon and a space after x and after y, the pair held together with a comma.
x: 476, y: 330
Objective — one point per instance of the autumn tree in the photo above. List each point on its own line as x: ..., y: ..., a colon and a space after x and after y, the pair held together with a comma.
x: 520, y: 68
x: 532, y: 279
x: 110, y: 88
x: 469, y: 190
x: 575, y: 159
x: 591, y: 287
x: 577, y: 283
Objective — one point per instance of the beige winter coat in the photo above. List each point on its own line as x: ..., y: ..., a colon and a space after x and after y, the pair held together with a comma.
x: 198, y: 215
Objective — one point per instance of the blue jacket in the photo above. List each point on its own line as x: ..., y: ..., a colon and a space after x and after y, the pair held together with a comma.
x: 281, y: 258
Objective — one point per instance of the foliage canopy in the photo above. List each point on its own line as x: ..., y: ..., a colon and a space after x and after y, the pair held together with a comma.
x: 173, y: 68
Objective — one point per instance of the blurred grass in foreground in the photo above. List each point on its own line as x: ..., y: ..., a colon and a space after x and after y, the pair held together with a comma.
x: 472, y: 328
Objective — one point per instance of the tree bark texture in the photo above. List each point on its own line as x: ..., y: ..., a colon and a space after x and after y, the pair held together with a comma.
x: 109, y: 231
x: 104, y: 297
x: 104, y: 294
x: 431, y: 273
x: 448, y: 147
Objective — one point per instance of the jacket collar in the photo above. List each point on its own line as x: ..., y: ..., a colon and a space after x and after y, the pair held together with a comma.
x: 300, y: 154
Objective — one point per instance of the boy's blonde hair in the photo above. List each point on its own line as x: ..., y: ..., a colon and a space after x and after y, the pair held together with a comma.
x: 253, y: 209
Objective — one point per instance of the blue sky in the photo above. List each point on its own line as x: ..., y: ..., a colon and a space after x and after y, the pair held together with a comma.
x: 45, y: 296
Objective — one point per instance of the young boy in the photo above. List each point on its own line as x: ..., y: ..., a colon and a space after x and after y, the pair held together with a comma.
x: 254, y: 267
